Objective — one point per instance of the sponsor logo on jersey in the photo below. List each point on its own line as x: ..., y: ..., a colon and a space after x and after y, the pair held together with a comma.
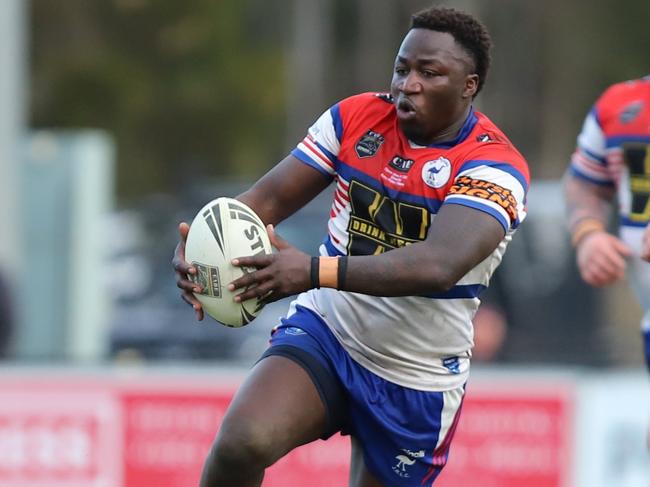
x: 387, y: 97
x: 369, y: 144
x: 452, y: 364
x: 487, y: 191
x: 405, y: 460
x: 630, y: 112
x: 484, y: 138
x: 401, y: 164
x: 436, y: 173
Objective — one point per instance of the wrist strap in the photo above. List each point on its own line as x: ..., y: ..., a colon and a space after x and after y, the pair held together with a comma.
x: 342, y: 272
x: 328, y: 271
x: 314, y: 274
x: 585, y: 227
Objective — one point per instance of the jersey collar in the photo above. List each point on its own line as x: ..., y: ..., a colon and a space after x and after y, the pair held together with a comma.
x: 465, y: 130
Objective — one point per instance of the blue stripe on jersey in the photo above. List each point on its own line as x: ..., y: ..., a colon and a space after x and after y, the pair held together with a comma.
x: 594, y: 113
x: 627, y: 222
x: 307, y: 160
x: 329, y: 246
x: 329, y: 155
x: 335, y: 112
x: 457, y: 200
x: 468, y: 126
x: 461, y: 291
x: 579, y: 174
x: 594, y: 156
x: 349, y: 173
x: 619, y: 140
x: 502, y: 166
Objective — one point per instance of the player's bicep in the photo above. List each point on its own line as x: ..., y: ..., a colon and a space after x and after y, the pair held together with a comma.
x: 286, y: 188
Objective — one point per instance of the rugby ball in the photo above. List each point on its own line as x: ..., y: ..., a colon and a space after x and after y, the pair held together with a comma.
x: 223, y: 230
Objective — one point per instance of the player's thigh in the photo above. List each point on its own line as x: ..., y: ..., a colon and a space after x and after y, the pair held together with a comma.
x: 360, y: 476
x: 277, y: 405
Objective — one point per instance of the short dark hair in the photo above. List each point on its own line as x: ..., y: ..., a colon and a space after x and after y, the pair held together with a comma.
x: 467, y: 30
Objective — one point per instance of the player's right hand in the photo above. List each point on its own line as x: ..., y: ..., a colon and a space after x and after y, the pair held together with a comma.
x: 183, y: 269
x: 601, y: 258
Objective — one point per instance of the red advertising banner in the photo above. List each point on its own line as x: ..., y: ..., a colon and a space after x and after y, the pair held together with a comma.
x: 143, y: 431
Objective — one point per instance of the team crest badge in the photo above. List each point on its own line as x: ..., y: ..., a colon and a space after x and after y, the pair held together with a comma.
x: 436, y: 173
x: 369, y: 144
x: 631, y: 111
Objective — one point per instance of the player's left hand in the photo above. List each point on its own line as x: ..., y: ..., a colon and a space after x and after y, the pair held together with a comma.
x: 645, y: 244
x: 278, y: 275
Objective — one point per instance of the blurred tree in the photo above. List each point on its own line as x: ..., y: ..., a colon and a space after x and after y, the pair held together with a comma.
x: 185, y: 87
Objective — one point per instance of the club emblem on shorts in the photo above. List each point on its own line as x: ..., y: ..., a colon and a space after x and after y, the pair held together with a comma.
x: 436, y: 173
x: 369, y: 144
x: 405, y: 460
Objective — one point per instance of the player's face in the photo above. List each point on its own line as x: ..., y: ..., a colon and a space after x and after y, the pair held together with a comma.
x: 432, y: 85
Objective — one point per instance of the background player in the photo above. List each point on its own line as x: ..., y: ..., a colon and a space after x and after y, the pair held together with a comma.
x: 428, y: 194
x: 612, y: 162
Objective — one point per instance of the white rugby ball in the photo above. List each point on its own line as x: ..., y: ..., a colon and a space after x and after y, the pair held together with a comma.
x: 223, y: 230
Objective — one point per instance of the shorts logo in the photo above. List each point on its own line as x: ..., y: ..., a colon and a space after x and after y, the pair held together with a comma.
x: 401, y: 164
x: 369, y: 144
x: 294, y: 330
x: 436, y: 173
x: 406, y: 459
x: 487, y: 191
x: 452, y: 364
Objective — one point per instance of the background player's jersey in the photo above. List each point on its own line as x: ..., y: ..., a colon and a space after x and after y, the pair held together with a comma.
x: 613, y: 148
x: 388, y: 192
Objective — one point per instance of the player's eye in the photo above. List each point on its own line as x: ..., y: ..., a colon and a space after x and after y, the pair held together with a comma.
x: 400, y: 70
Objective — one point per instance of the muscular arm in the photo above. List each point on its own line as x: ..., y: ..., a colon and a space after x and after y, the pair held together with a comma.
x: 285, y: 189
x: 599, y: 255
x: 459, y: 239
x: 585, y: 200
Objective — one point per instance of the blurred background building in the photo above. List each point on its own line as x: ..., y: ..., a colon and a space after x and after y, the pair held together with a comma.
x: 121, y: 118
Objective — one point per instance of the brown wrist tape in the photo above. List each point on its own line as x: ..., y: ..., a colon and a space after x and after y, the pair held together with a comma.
x: 328, y: 272
x: 585, y: 227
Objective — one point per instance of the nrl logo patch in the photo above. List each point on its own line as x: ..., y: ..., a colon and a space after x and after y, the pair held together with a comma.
x: 369, y: 144
x: 401, y: 164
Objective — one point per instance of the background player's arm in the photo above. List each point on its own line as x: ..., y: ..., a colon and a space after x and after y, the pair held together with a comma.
x: 600, y: 255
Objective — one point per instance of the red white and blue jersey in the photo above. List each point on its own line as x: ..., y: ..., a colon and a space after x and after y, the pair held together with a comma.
x: 388, y: 192
x: 612, y: 148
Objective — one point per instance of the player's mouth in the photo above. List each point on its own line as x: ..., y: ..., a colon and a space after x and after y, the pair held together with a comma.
x: 405, y: 109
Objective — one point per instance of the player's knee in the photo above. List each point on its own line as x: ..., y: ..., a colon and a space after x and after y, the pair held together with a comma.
x: 243, y: 446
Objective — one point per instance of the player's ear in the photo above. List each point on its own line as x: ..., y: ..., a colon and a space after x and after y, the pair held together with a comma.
x: 471, y: 85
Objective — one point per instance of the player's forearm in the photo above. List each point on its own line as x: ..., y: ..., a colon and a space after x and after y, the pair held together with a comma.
x: 407, y: 271
x: 585, y: 200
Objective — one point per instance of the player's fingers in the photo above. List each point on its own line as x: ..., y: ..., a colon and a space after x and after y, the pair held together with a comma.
x: 622, y: 248
x: 275, y: 239
x: 258, y: 261
x: 194, y: 303
x: 183, y: 230
x: 254, y: 278
x: 264, y: 289
x: 187, y: 285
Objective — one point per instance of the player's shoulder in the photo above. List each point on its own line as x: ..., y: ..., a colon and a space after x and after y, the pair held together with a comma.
x: 487, y: 142
x: 487, y: 137
x: 622, y: 97
x: 369, y: 101
x: 624, y: 91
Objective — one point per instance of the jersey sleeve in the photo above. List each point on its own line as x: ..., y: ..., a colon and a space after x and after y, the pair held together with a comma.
x: 588, y: 160
x: 321, y: 146
x: 495, y: 184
